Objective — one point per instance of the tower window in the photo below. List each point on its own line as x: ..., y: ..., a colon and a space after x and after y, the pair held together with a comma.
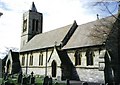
x: 77, y: 58
x: 24, y: 25
x: 33, y: 24
x: 31, y: 60
x: 89, y: 56
x: 23, y: 60
x: 40, y: 59
x: 36, y: 25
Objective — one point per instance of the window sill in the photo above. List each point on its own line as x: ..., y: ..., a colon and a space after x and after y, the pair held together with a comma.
x: 33, y: 66
x: 87, y: 67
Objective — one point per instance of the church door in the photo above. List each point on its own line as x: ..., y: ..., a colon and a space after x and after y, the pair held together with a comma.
x: 54, y: 68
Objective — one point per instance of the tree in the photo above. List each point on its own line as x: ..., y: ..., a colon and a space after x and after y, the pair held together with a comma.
x: 7, y: 49
x: 113, y: 43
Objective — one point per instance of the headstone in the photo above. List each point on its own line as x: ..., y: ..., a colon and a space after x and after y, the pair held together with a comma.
x: 5, y: 76
x: 46, y: 79
x: 33, y: 80
x: 6, y: 83
x: 68, y: 82
x: 25, y: 81
x: 32, y: 74
x: 20, y: 78
x: 29, y: 79
x: 50, y: 81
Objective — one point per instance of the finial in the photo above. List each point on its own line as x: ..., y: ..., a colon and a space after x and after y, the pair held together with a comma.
x: 33, y: 8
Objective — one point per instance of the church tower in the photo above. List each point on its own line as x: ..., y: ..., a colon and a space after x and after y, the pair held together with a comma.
x: 32, y: 24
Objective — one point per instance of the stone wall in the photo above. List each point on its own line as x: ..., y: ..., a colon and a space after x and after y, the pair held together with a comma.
x: 85, y: 73
x: 90, y: 75
x: 36, y: 70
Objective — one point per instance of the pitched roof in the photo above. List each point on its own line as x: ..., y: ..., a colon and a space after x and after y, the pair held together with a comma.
x: 90, y: 34
x: 15, y: 56
x: 47, y: 39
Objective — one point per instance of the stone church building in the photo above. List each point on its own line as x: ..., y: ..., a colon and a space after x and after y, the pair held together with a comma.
x: 87, y: 52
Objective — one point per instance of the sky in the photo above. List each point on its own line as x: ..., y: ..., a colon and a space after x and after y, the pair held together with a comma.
x: 56, y: 13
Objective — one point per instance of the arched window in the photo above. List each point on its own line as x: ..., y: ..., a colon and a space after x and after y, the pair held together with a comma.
x: 77, y: 58
x: 54, y: 68
x: 33, y: 24
x: 89, y: 55
x: 24, y: 25
x: 31, y: 60
x: 40, y: 59
x: 23, y: 60
x: 36, y: 25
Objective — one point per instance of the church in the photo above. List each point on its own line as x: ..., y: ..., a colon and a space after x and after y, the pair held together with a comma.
x: 87, y: 52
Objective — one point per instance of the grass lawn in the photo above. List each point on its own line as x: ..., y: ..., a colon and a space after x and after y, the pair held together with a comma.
x: 1, y: 80
x: 38, y: 81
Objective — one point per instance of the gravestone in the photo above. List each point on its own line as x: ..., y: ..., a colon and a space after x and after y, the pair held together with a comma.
x: 50, y: 81
x: 25, y: 81
x: 46, y: 80
x: 29, y: 79
x: 5, y: 76
x: 20, y: 78
x: 68, y: 82
x: 6, y: 83
x: 32, y: 74
x: 32, y: 78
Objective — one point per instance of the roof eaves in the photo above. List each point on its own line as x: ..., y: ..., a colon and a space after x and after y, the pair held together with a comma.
x: 72, y: 48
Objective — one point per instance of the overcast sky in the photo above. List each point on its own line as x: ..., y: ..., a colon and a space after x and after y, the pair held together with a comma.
x: 56, y: 13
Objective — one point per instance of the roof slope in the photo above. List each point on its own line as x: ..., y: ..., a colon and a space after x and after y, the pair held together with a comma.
x: 15, y: 56
x: 89, y: 34
x: 47, y: 39
x: 92, y: 33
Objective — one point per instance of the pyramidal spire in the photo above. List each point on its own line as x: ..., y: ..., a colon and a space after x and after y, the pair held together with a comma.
x: 33, y: 8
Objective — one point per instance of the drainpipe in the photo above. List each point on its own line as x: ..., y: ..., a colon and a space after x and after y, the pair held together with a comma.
x: 27, y: 64
x: 46, y: 62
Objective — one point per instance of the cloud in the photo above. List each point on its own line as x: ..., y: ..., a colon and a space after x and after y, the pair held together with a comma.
x: 4, y: 6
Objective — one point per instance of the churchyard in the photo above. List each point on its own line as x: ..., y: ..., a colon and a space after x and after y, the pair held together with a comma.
x: 29, y: 80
